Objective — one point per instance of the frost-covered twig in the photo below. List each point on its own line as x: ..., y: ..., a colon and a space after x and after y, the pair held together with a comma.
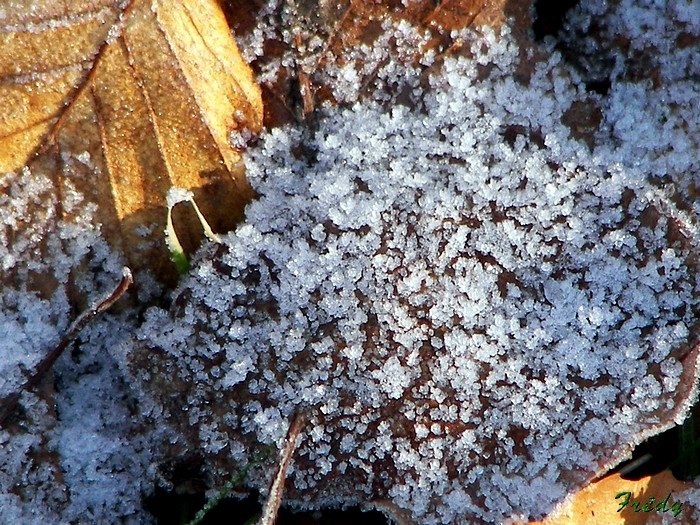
x: 274, y: 498
x: 10, y: 403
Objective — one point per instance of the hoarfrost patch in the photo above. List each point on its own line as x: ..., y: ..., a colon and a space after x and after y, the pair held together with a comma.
x: 474, y: 320
x: 73, y: 452
x: 650, y: 109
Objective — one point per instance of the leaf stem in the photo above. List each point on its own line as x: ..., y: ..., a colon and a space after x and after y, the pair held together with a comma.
x: 229, y: 486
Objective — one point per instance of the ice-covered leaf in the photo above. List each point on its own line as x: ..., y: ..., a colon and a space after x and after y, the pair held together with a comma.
x: 652, y: 69
x: 308, y: 53
x: 125, y: 100
x: 477, y: 315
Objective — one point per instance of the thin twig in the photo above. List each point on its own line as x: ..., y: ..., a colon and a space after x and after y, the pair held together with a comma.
x: 10, y: 402
x: 274, y: 498
x: 305, y: 89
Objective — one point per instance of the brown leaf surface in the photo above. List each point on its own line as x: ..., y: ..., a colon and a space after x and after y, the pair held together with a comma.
x: 597, y: 503
x: 346, y: 29
x: 126, y: 100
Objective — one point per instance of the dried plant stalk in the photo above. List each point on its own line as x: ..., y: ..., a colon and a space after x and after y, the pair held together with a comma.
x: 274, y: 498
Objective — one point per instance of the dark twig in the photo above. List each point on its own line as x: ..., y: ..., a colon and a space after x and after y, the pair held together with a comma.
x: 10, y: 403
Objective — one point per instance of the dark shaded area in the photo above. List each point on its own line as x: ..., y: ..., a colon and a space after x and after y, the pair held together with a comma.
x: 549, y: 21
x: 651, y: 457
x: 677, y: 449
x: 170, y: 508
x: 600, y: 86
x: 549, y: 16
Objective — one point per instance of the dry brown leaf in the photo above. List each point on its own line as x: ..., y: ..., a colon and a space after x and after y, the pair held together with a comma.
x: 126, y: 100
x: 45, y: 52
x: 344, y: 27
x: 598, y: 503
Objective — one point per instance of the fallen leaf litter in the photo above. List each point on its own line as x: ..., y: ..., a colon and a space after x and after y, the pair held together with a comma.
x: 475, y: 322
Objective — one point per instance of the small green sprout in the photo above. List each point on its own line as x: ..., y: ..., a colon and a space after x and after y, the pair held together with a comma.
x: 176, y: 196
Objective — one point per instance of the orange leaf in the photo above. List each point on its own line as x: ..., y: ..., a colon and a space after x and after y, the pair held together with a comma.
x: 602, y: 502
x: 124, y: 104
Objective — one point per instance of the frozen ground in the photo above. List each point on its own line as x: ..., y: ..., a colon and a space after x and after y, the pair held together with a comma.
x: 476, y: 310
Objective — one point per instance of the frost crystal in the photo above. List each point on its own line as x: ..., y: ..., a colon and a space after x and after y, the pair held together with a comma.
x: 72, y: 451
x: 650, y: 108
x: 475, y: 313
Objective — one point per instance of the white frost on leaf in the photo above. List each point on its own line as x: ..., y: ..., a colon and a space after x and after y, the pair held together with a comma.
x: 474, y: 311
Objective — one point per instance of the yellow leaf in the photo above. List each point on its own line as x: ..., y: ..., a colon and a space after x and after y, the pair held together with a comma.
x: 45, y: 52
x: 601, y: 502
x: 125, y: 103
